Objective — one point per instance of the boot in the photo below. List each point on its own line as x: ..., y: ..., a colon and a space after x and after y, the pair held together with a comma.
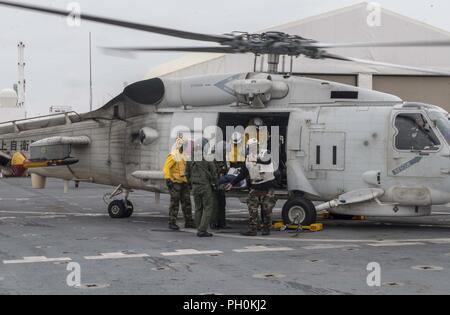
x: 266, y: 232
x: 174, y: 227
x: 249, y: 233
x: 204, y: 234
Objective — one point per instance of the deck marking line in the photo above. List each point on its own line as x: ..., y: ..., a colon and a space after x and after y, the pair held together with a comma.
x: 119, y: 255
x: 312, y: 240
x: 393, y: 244
x: 189, y: 252
x: 262, y: 249
x: 36, y: 259
x: 330, y: 246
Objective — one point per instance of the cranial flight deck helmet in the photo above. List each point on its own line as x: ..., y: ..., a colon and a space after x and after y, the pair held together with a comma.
x: 258, y: 122
x: 236, y: 138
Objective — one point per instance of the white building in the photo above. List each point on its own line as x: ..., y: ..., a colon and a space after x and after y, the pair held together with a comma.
x: 350, y: 24
x: 8, y: 106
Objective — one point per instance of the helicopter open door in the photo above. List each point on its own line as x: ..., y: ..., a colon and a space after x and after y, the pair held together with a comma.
x: 416, y: 148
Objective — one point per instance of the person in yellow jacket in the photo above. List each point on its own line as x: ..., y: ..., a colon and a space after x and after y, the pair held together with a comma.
x: 236, y: 156
x: 174, y: 174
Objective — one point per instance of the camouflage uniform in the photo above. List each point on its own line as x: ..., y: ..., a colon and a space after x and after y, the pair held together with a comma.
x: 174, y: 173
x: 202, y: 176
x: 179, y: 193
x: 262, y: 179
x: 267, y: 201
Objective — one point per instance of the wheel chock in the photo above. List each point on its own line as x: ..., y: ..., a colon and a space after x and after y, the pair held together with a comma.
x: 316, y: 227
x: 278, y: 225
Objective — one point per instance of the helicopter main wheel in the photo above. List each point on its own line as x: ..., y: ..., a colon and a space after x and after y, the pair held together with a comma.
x: 118, y: 209
x: 299, y: 211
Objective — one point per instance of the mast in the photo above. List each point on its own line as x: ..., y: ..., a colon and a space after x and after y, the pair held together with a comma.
x: 21, y: 87
x: 90, y: 72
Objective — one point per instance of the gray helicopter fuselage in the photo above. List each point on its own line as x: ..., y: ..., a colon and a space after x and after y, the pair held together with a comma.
x: 339, y: 138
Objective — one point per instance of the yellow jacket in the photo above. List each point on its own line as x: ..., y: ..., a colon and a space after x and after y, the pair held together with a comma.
x: 237, y: 153
x: 175, y: 168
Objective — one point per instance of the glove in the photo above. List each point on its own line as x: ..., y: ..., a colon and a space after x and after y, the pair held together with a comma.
x: 228, y: 187
x: 169, y: 184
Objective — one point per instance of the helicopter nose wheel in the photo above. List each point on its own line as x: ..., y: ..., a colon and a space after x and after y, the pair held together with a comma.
x: 119, y: 209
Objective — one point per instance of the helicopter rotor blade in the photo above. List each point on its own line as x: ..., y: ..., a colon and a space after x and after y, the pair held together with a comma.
x: 218, y: 49
x: 266, y: 43
x: 121, y: 23
x: 384, y: 64
x: 423, y: 43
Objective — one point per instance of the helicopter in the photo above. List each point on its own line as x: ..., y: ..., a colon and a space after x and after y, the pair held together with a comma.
x: 340, y: 148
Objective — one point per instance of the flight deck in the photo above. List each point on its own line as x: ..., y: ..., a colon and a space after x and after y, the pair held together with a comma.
x: 43, y: 233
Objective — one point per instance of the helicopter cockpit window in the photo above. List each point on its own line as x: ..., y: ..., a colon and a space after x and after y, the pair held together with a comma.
x: 415, y: 133
x: 443, y: 124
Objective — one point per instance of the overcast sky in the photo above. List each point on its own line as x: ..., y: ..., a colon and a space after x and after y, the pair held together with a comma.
x: 57, y: 56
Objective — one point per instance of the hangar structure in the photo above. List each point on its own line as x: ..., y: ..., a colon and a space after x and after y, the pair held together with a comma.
x: 9, y: 109
x: 349, y: 24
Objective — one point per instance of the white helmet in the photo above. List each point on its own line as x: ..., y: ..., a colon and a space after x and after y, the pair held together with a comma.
x: 179, y: 143
x: 258, y: 122
x: 236, y: 138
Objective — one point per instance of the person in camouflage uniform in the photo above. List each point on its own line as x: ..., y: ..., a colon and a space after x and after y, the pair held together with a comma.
x: 174, y: 173
x: 267, y: 201
x: 259, y: 171
x: 218, y: 220
x: 202, y: 177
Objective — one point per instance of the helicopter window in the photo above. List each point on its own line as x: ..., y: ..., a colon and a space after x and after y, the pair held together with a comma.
x: 318, y: 155
x: 344, y: 95
x: 415, y: 133
x: 116, y: 111
x: 443, y: 124
x: 334, y: 155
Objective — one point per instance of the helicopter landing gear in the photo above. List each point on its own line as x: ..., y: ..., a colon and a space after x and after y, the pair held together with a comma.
x: 119, y: 208
x: 299, y: 211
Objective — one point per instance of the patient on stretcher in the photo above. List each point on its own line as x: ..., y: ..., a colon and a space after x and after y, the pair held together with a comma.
x: 230, y: 176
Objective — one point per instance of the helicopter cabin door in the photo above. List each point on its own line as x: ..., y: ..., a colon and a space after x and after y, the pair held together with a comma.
x: 415, y: 148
